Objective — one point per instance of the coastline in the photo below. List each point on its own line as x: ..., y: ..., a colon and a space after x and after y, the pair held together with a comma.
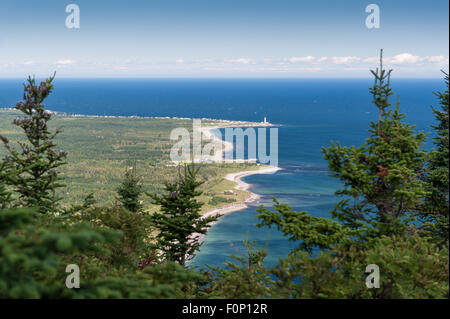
x: 241, y: 185
x: 218, y: 123
x: 235, y: 177
x: 227, y: 146
x: 206, y: 131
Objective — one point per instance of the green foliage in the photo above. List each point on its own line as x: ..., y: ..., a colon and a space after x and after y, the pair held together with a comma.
x: 124, y: 252
x: 180, y: 223
x: 383, y: 189
x: 96, y: 147
x: 130, y: 190
x: 248, y: 278
x: 436, y: 210
x: 381, y: 184
x: 314, y: 232
x: 134, y: 245
x: 33, y: 169
x: 174, y: 280
x: 216, y: 200
x: 129, y: 267
x: 381, y: 91
x: 30, y: 262
x: 11, y: 219
x: 5, y: 194
x: 110, y: 245
x: 33, y: 261
x: 410, y: 267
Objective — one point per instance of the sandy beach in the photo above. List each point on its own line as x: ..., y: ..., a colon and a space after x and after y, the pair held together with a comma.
x: 207, y: 133
x: 234, y: 177
x: 241, y: 185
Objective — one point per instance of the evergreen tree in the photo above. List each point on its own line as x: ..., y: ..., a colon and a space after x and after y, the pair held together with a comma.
x: 34, y: 168
x: 410, y: 267
x: 105, y: 243
x: 130, y: 190
x: 180, y: 223
x: 33, y: 261
x: 245, y: 277
x: 309, y: 231
x: 382, y: 189
x: 381, y: 178
x: 437, y: 172
x: 5, y: 195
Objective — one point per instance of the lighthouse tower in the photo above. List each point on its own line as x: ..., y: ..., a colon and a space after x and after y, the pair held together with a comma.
x: 265, y: 120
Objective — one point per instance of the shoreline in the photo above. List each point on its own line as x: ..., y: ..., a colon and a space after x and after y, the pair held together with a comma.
x: 235, y: 177
x: 207, y: 134
x: 231, y: 208
x: 227, y: 146
x: 241, y: 185
x: 219, y: 123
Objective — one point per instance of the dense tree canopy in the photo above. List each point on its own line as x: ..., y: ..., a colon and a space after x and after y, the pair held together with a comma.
x: 180, y: 223
x: 436, y: 207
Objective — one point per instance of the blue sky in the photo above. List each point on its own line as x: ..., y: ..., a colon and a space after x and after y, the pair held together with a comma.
x: 215, y: 38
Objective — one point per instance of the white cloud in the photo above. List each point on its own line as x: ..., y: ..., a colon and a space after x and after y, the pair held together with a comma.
x: 240, y: 60
x: 121, y: 68
x: 351, y: 69
x: 308, y: 58
x: 404, y: 58
x: 289, y: 64
x: 65, y: 62
x: 344, y: 59
x: 373, y: 59
x: 408, y: 58
x: 436, y: 59
x: 312, y: 69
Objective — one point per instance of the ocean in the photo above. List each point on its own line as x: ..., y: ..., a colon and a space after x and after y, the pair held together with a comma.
x: 310, y: 112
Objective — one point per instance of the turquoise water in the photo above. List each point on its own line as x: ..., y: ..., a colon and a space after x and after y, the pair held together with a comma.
x: 303, y: 183
x: 311, y: 114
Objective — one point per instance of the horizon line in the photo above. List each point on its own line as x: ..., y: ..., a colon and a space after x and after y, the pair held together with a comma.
x: 214, y: 78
